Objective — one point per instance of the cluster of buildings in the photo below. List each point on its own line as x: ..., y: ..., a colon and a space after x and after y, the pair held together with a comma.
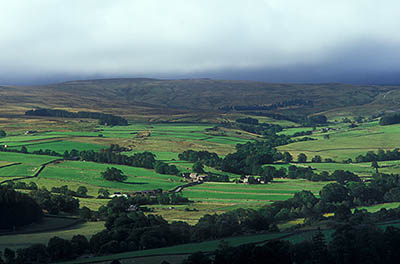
x: 146, y: 192
x: 251, y: 180
x: 194, y: 177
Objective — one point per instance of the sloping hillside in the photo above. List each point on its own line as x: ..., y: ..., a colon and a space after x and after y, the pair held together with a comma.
x: 212, y: 94
x: 141, y: 95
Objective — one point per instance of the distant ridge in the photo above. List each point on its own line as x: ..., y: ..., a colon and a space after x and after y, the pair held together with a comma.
x: 111, y: 80
x: 122, y: 95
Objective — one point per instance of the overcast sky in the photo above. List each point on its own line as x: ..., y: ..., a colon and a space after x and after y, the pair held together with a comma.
x: 268, y: 40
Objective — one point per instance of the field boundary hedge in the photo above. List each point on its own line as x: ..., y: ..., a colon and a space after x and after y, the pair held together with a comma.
x: 9, y: 165
x: 36, y: 174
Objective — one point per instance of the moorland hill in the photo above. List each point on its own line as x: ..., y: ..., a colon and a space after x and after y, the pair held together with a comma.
x: 155, y: 96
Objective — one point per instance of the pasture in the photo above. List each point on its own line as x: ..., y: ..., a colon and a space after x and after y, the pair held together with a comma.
x: 232, y: 195
x: 89, y: 173
x: 166, y: 141
x: 29, y: 164
x: 345, y: 142
x: 25, y: 240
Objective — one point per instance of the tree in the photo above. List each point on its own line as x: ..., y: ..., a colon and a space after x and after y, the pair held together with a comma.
x: 19, y: 208
x: 198, y: 167
x: 85, y: 213
x: 320, y: 253
x: 9, y: 255
x: 114, y: 174
x: 3, y: 133
x: 389, y: 119
x: 343, y: 245
x: 343, y: 177
x: 302, y: 158
x: 317, y: 159
x: 80, y: 244
x: 304, y: 199
x: 37, y: 253
x: 82, y: 191
x: 393, y: 195
x: 375, y: 165
x: 164, y: 168
x: 287, y: 158
x: 358, y: 119
x: 33, y: 186
x: 342, y: 212
x: 59, y: 248
x: 103, y: 193
x: 317, y: 119
x: 334, y: 193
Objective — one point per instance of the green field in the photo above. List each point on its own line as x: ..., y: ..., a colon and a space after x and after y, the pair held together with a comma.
x: 361, y: 169
x: 59, y: 146
x: 292, y: 130
x: 90, y: 173
x: 345, y: 143
x: 25, y: 240
x: 27, y: 138
x: 377, y: 207
x: 232, y: 194
x: 166, y: 141
x: 30, y: 163
x: 168, y: 117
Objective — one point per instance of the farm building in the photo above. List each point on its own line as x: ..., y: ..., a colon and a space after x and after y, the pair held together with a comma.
x: 251, y: 180
x: 30, y: 132
x: 118, y: 194
x: 195, y: 177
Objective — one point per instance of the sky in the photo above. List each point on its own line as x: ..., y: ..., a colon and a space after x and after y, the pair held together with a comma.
x: 308, y: 41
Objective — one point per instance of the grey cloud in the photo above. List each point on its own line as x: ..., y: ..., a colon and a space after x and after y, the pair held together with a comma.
x: 56, y: 39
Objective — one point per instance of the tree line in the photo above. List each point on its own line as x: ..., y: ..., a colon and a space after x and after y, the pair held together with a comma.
x: 252, y: 125
x: 17, y: 209
x: 286, y: 103
x: 389, y: 119
x: 380, y: 155
x: 349, y: 244
x: 104, y: 119
x: 59, y: 199
x: 132, y: 230
x: 111, y: 155
x: 144, y: 160
x: 250, y: 159
x: 57, y: 202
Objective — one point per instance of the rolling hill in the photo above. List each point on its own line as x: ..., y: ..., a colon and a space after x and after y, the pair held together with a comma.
x: 152, y: 97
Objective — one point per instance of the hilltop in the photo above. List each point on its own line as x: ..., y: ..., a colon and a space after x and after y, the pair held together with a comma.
x: 155, y: 97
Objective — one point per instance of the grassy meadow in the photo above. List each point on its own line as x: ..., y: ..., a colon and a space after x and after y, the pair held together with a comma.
x: 345, y: 142
x: 24, y: 240
x: 166, y: 141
